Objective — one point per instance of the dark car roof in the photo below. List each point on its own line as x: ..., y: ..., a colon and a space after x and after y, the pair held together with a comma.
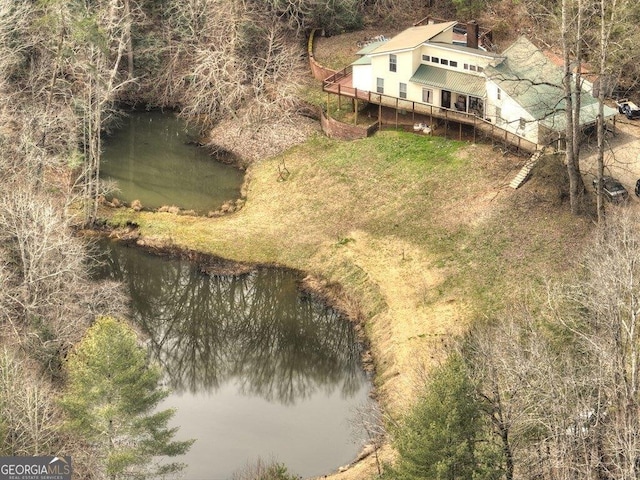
x: 612, y: 184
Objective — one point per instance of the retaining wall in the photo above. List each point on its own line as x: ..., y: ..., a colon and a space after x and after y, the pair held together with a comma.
x: 319, y: 72
x: 333, y: 128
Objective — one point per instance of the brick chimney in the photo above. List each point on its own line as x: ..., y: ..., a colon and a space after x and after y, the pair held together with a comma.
x: 472, y: 34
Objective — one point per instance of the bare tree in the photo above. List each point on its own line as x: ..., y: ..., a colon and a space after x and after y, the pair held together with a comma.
x: 30, y: 423
x: 231, y: 60
x: 609, y: 303
x: 47, y: 299
x: 570, y: 34
x: 102, y: 36
x: 369, y: 418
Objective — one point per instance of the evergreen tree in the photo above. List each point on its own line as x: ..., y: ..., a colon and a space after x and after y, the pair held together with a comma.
x: 111, y: 403
x: 439, y: 439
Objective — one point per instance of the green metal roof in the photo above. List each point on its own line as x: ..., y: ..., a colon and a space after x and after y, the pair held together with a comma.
x: 588, y: 114
x: 529, y: 78
x: 533, y: 81
x: 364, y: 60
x: 450, y: 80
x: 370, y: 47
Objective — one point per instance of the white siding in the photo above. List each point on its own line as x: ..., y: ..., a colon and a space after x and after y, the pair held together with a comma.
x: 404, y: 71
x: 511, y: 113
x: 362, y: 76
x: 444, y: 37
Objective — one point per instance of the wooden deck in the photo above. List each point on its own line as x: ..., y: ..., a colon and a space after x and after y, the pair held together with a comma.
x: 340, y: 84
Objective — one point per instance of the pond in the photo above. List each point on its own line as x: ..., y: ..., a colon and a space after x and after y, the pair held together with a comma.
x: 257, y: 368
x: 153, y: 159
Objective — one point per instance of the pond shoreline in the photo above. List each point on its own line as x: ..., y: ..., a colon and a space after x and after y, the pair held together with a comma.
x: 329, y: 294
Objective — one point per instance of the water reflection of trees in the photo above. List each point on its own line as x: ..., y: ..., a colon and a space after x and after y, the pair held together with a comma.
x: 255, y: 329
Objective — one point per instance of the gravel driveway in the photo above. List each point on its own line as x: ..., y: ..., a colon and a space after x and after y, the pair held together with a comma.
x: 622, y: 155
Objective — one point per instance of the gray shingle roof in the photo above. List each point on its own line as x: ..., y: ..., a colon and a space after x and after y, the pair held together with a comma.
x: 413, y: 36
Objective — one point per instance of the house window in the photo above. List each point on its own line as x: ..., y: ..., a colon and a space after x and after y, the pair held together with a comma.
x: 523, y: 123
x: 453, y: 63
x: 393, y: 63
x: 480, y: 69
x: 425, y: 58
x: 444, y: 61
x: 427, y: 95
x: 499, y: 94
x: 466, y: 66
x: 498, y: 115
x: 476, y: 106
x: 380, y: 85
x: 435, y: 60
x: 472, y: 68
x: 403, y: 90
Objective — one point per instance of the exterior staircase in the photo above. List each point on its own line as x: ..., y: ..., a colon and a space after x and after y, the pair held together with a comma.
x: 524, y: 172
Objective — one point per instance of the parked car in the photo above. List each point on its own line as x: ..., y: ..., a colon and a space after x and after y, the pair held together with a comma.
x: 628, y: 108
x: 612, y: 190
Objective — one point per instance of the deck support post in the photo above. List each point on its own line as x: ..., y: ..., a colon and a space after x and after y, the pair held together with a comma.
x: 474, y: 129
x: 355, y: 111
x: 397, y: 105
x: 446, y: 123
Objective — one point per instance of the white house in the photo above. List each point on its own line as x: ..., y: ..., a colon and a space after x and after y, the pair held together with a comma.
x: 519, y: 90
x: 425, y: 64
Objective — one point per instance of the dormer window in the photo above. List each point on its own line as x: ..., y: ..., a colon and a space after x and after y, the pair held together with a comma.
x: 393, y: 63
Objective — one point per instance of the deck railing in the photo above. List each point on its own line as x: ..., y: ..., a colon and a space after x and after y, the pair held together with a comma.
x: 332, y: 84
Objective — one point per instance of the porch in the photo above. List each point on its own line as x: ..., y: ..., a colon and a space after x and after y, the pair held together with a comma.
x: 340, y: 84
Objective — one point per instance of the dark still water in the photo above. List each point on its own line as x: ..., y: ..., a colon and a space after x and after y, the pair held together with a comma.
x: 151, y: 159
x: 258, y: 370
